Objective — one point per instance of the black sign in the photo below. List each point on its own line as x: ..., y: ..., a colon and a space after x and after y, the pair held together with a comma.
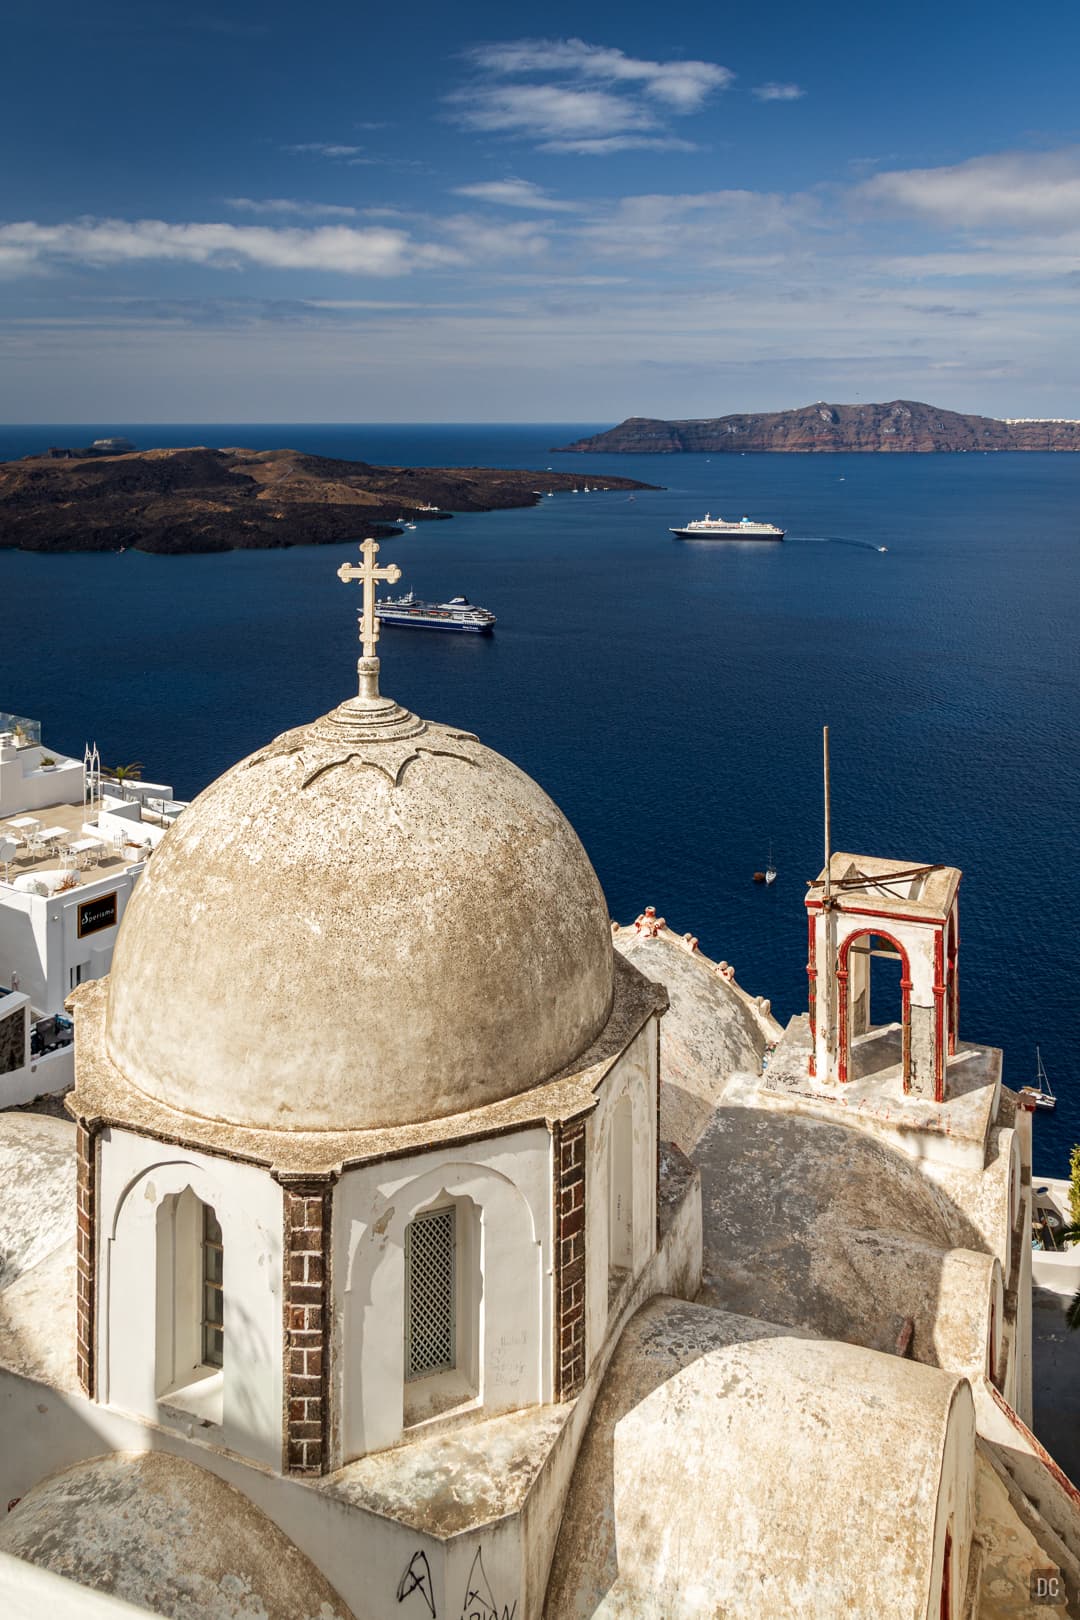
x: 94, y: 915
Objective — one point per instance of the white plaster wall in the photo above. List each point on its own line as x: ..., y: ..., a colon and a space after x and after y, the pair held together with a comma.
x: 39, y: 936
x: 363, y: 1555
x: 28, y: 1593
x: 25, y: 787
x: 633, y: 1077
x: 52, y: 1071
x: 136, y: 1175
x: 508, y: 1179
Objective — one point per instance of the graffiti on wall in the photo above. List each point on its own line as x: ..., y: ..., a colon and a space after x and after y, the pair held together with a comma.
x: 417, y: 1578
x: 480, y: 1601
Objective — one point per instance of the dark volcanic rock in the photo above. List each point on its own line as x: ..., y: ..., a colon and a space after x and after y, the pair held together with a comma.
x: 218, y: 500
x: 904, y: 424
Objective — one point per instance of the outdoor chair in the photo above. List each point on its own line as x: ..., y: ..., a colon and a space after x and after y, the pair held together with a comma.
x: 45, y: 1030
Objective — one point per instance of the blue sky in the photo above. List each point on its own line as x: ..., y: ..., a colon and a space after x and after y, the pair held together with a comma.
x: 419, y: 213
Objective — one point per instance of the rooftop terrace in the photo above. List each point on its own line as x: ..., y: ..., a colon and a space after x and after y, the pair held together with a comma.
x: 49, y: 841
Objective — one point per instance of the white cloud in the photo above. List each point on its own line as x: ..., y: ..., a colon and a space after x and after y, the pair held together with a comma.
x: 696, y: 227
x: 588, y: 99
x: 288, y: 205
x: 777, y: 92
x: 683, y: 86
x: 324, y: 149
x: 348, y: 250
x: 1010, y: 190
x: 515, y: 194
x: 482, y: 242
x: 603, y: 146
x: 548, y: 110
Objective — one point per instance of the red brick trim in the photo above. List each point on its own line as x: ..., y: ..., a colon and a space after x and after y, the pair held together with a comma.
x: 86, y: 1254
x: 306, y: 1297
x: 1056, y: 1473
x: 569, y: 1156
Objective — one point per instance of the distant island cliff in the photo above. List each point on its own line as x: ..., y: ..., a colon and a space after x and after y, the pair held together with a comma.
x: 901, y: 425
x: 221, y: 500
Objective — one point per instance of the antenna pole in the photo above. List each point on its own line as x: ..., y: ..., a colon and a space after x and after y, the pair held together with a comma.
x: 828, y: 819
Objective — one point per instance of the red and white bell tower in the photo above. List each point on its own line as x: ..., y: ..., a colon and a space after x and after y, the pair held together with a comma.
x: 862, y: 907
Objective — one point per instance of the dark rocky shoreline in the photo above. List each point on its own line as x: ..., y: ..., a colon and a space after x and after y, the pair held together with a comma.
x: 202, y: 500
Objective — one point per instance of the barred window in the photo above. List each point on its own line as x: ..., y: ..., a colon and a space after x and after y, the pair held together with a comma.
x: 430, y: 1288
x: 213, y: 1321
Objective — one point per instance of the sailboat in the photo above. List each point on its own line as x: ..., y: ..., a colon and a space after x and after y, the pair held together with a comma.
x: 769, y: 874
x: 1040, y: 1093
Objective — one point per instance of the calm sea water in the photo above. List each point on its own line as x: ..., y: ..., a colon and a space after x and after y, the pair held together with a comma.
x: 670, y: 696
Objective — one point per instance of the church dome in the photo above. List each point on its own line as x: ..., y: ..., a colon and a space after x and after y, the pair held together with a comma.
x: 374, y: 921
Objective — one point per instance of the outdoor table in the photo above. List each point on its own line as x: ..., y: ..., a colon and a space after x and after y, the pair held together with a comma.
x: 84, y: 847
x: 52, y: 835
x: 24, y: 823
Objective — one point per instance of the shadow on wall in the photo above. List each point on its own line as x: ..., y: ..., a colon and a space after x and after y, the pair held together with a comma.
x: 821, y: 1228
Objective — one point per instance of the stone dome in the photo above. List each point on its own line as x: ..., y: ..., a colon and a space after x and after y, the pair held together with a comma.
x: 374, y: 921
x: 171, y: 1538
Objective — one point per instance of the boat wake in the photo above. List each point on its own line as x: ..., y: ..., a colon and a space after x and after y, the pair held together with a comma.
x: 833, y: 540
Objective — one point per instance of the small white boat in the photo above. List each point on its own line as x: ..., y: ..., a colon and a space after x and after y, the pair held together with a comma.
x: 883, y: 548
x: 1040, y: 1093
x: 770, y: 870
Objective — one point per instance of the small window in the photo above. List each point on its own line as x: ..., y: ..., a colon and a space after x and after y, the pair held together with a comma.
x: 76, y: 974
x: 430, y: 1290
x: 213, y: 1322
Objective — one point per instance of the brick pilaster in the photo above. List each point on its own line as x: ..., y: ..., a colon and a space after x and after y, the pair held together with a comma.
x: 569, y: 1259
x: 86, y: 1190
x: 306, y: 1258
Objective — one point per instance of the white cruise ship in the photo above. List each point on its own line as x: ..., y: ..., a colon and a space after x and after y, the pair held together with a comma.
x: 457, y: 614
x: 717, y: 528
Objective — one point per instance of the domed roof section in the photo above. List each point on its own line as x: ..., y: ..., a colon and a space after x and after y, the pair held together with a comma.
x: 169, y: 1537
x: 772, y: 1430
x: 374, y: 921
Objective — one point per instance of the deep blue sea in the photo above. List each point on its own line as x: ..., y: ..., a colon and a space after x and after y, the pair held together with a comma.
x: 669, y: 695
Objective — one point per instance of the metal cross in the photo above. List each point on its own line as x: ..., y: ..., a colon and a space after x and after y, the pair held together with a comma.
x: 369, y: 575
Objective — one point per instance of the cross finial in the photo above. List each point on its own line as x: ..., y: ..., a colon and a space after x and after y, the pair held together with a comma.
x: 369, y: 575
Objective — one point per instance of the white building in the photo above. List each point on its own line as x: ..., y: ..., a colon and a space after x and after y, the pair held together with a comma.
x: 71, y: 850
x: 433, y: 1257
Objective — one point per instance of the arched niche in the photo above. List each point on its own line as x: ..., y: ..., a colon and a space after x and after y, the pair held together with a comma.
x: 620, y: 1162
x: 147, y: 1205
x: 190, y: 1289
x: 501, y: 1315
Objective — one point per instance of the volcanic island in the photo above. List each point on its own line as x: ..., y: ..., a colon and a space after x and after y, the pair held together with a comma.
x: 199, y: 499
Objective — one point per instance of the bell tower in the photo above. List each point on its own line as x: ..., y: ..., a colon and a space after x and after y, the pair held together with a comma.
x: 862, y: 908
